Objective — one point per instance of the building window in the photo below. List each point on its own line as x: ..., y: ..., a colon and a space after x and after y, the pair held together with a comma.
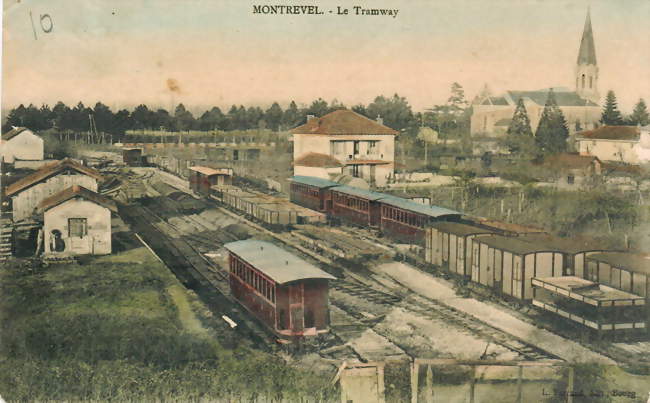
x: 355, y: 171
x: 583, y: 81
x: 570, y: 179
x: 356, y: 148
x: 591, y: 81
x: 77, y: 227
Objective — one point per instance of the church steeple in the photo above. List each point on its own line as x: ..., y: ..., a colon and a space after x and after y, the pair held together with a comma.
x: 587, y: 68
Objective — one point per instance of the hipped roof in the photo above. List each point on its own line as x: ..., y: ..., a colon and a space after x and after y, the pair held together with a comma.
x: 343, y: 121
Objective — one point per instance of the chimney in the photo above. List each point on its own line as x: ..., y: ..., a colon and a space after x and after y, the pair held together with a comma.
x: 380, y: 120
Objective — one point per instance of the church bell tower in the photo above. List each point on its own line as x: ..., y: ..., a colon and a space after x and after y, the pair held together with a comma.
x: 587, y: 68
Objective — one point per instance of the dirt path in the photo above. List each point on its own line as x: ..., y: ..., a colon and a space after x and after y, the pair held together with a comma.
x: 185, y: 313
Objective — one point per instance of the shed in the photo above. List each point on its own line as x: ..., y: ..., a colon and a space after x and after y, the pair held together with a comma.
x: 312, y: 192
x: 406, y: 220
x: 202, y: 178
x: 286, y: 293
x: 449, y: 245
x: 20, y: 143
x: 624, y: 271
x: 132, y: 156
x: 29, y: 191
x: 77, y: 221
x: 507, y: 264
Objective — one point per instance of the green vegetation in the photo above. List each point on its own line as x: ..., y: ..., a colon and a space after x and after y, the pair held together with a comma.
x: 552, y: 133
x: 611, y: 115
x: 519, y: 138
x: 122, y: 328
x: 640, y: 115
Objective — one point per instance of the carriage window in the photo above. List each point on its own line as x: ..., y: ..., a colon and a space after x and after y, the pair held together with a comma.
x: 77, y: 227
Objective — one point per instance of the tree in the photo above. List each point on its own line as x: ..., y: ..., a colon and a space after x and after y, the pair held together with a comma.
x: 103, y: 118
x: 254, y: 117
x: 318, y: 108
x: 456, y: 102
x: 427, y: 135
x: 611, y: 115
x: 640, y: 114
x: 519, y: 137
x: 183, y: 118
x: 552, y: 133
x: 213, y: 119
x: 395, y: 112
x: 292, y: 116
x: 273, y: 116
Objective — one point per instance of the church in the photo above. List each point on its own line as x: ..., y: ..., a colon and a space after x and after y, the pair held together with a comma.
x: 491, y: 115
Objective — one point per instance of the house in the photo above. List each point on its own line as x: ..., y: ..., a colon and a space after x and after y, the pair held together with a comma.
x: 571, y: 170
x: 610, y: 143
x: 491, y: 114
x: 365, y: 148
x: 26, y: 193
x: 286, y: 293
x: 21, y: 143
x: 77, y: 221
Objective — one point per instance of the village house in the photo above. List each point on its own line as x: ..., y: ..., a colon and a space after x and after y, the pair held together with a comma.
x: 571, y: 170
x: 21, y: 143
x: 623, y: 144
x: 77, y: 221
x: 26, y: 193
x: 491, y: 115
x: 365, y: 148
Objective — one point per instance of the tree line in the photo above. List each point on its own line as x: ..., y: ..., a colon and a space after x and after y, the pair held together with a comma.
x: 552, y: 132
x: 395, y: 111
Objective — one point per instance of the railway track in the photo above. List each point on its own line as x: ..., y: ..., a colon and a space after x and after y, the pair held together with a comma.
x: 353, y: 286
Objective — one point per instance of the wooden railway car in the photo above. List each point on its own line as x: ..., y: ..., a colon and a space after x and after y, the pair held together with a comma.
x: 406, y: 220
x: 507, y: 264
x: 132, y: 157
x: 203, y: 178
x: 356, y: 206
x: 623, y: 271
x: 449, y: 245
x: 287, y: 294
x: 312, y: 193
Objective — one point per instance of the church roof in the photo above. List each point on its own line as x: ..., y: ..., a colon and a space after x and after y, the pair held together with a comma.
x: 563, y: 98
x: 587, y: 52
x: 343, y: 121
x: 495, y: 101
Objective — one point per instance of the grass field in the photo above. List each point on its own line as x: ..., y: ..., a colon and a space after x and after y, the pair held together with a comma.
x: 122, y: 327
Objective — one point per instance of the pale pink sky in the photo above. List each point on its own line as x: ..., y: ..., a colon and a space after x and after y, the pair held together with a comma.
x: 123, y: 52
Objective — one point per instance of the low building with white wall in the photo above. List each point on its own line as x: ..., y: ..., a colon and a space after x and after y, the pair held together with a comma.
x: 611, y: 143
x: 365, y: 147
x: 21, y: 143
x: 77, y: 221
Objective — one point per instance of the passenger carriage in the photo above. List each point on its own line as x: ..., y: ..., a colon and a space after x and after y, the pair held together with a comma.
x: 313, y: 193
x: 286, y: 293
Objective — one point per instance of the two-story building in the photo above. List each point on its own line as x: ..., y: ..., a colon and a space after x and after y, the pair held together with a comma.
x: 365, y: 148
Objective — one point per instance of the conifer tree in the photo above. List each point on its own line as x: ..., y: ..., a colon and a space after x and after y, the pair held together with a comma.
x: 640, y: 114
x: 611, y: 115
x: 519, y: 137
x: 552, y: 132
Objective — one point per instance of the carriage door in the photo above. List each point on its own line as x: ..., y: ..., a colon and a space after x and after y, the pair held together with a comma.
x: 296, y: 306
x: 475, y: 261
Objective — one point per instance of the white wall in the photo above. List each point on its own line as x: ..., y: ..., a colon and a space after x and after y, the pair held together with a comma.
x: 98, y: 239
x: 26, y: 201
x: 24, y: 146
x: 610, y: 150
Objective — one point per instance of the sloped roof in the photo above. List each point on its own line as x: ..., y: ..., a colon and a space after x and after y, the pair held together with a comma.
x: 630, y: 261
x: 494, y: 101
x: 563, y: 98
x: 211, y: 171
x: 410, y: 205
x: 48, y: 171
x: 516, y: 245
x: 587, y: 52
x: 13, y: 133
x: 570, y: 160
x: 358, y: 192
x: 313, y: 181
x: 343, y: 121
x: 280, y: 265
x: 317, y: 160
x: 74, y: 192
x: 575, y: 244
x: 610, y: 133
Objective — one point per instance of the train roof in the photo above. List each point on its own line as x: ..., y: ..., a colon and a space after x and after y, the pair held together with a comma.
x: 516, y: 245
x: 570, y: 245
x: 313, y: 181
x: 280, y: 265
x: 636, y: 262
x: 588, y: 289
x: 410, y: 205
x: 461, y: 229
x: 211, y: 171
x: 363, y: 193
